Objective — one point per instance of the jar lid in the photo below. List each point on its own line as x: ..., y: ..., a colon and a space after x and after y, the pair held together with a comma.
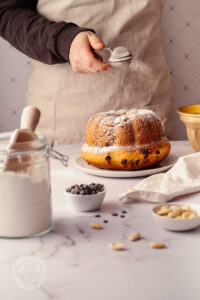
x: 36, y: 145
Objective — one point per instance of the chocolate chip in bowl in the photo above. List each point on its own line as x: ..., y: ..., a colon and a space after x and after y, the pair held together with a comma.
x: 85, y: 197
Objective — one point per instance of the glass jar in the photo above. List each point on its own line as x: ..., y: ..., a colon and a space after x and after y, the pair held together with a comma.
x: 25, y: 191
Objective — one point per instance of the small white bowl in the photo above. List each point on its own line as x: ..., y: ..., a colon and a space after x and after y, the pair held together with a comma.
x: 85, y: 203
x: 177, y: 224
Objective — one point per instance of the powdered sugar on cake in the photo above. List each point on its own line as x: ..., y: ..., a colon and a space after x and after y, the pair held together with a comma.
x: 130, y: 114
x: 95, y: 149
x: 122, y: 115
x: 114, y: 119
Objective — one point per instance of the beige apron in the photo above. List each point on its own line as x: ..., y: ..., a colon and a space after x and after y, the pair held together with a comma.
x: 68, y: 99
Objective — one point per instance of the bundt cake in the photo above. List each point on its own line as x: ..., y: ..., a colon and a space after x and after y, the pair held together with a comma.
x: 125, y: 139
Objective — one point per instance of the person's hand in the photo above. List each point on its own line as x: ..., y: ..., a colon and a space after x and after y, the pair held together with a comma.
x: 81, y: 55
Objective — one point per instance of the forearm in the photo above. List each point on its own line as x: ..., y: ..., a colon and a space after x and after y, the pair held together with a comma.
x: 33, y: 34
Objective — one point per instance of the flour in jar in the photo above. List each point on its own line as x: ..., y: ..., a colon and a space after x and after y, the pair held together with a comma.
x: 25, y: 205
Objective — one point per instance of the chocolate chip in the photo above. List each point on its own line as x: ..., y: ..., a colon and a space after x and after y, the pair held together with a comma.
x: 100, y: 186
x: 97, y: 216
x: 122, y: 216
x: 107, y: 144
x: 105, y: 221
x: 92, y: 186
x: 108, y: 158
x: 157, y: 152
x: 75, y: 192
x: 84, y: 185
x: 137, y: 162
x: 124, y: 211
x: 114, y: 214
x: 124, y: 162
x: 85, y: 189
x: 145, y: 151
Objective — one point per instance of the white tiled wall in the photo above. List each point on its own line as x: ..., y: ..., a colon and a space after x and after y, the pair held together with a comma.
x: 14, y: 70
x: 180, y: 30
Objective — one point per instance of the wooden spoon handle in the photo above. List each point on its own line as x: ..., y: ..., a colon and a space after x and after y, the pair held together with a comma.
x: 30, y: 118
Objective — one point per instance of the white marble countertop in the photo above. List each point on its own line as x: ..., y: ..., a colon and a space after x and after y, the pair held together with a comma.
x: 76, y: 263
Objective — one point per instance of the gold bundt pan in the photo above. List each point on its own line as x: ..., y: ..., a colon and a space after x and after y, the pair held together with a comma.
x: 190, y: 116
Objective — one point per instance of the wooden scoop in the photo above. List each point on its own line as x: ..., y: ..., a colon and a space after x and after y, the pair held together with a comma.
x: 22, y: 138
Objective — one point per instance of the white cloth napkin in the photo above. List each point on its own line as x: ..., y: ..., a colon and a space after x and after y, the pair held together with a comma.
x: 183, y: 178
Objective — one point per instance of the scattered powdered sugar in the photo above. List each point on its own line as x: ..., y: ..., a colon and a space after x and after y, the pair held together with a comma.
x: 143, y: 69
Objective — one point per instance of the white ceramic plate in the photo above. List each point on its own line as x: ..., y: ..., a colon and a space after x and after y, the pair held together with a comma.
x: 178, y: 224
x: 164, y: 165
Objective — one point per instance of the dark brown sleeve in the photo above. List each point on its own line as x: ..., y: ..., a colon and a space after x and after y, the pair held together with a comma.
x: 33, y: 34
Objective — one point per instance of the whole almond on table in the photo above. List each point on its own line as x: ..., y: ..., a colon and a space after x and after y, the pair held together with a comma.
x: 134, y: 236
x: 157, y: 245
x: 96, y: 225
x: 116, y: 246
